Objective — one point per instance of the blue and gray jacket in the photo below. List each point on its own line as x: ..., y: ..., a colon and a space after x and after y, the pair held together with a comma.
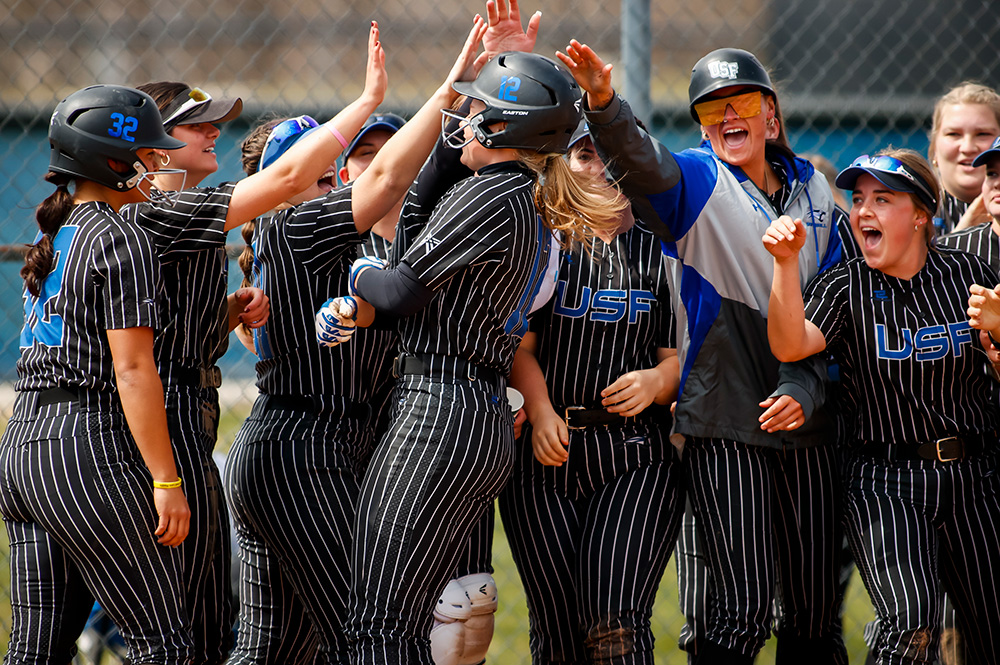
x: 710, y: 218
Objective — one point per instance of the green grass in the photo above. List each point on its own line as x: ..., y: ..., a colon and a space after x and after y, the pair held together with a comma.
x: 510, y: 641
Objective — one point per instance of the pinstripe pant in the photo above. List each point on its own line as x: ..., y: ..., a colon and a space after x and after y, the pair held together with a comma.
x: 193, y: 419
x: 591, y: 540
x: 77, y: 500
x: 293, y: 480
x: 443, y: 461
x: 916, y: 528
x: 693, y: 582
x: 770, y: 516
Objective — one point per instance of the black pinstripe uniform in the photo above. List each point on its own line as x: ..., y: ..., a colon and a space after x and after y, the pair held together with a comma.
x: 449, y: 448
x: 591, y: 538
x: 296, y: 465
x: 980, y: 240
x: 75, y: 492
x: 190, y: 240
x: 913, y: 373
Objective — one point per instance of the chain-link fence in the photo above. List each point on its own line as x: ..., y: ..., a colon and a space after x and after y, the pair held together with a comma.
x: 854, y: 75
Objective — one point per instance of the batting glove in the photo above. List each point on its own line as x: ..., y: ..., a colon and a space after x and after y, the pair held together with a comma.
x: 359, y: 266
x: 335, y: 321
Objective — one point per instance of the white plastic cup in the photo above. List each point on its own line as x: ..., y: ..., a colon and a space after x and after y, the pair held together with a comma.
x: 516, y: 399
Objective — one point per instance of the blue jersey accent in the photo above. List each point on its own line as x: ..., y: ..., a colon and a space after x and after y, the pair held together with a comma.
x: 703, y: 304
x: 517, y: 322
x: 261, y: 344
x: 680, y: 207
x: 46, y: 328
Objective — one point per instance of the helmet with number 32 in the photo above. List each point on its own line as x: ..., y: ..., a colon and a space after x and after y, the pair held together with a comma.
x: 101, y: 123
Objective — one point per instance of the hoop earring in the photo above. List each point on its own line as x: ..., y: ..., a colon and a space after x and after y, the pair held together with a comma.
x: 164, y: 159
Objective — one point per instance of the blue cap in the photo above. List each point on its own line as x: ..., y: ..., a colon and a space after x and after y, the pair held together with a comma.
x: 987, y: 155
x: 390, y: 122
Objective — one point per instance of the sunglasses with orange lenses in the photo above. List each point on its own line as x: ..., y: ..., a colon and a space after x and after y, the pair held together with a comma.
x: 713, y: 111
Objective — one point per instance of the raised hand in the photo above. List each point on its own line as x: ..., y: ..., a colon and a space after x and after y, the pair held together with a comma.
x: 591, y: 73
x: 984, y: 308
x: 505, y: 32
x: 785, y: 237
x: 376, y: 79
x: 467, y: 66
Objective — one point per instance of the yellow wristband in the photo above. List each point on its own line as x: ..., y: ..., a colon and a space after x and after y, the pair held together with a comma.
x: 166, y: 486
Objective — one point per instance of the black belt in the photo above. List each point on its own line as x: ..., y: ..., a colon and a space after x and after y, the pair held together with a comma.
x: 56, y: 396
x: 579, y: 417
x: 448, y: 368
x: 198, y: 377
x: 318, y: 404
x: 946, y: 449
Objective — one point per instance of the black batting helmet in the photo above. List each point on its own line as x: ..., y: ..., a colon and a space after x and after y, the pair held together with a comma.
x: 725, y: 67
x: 105, y: 122
x: 535, y: 96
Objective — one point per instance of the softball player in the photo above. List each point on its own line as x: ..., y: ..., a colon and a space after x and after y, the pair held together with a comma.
x: 777, y: 475
x: 592, y: 515
x: 464, y: 285
x: 983, y: 240
x: 922, y: 489
x: 89, y: 425
x: 196, y: 320
x: 295, y: 467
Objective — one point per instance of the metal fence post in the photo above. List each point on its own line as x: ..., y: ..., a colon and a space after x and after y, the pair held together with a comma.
x: 636, y: 47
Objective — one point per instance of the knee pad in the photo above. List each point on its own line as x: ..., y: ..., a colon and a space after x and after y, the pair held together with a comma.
x: 482, y: 592
x: 448, y: 634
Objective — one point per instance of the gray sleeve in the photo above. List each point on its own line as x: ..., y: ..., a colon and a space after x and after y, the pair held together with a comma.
x: 639, y: 162
x: 804, y: 381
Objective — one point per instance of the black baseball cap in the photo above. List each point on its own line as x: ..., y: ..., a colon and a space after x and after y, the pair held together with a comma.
x: 581, y: 132
x: 390, y: 122
x: 987, y: 155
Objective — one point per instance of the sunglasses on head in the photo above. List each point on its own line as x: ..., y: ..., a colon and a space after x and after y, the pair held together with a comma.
x: 281, y: 133
x: 887, y: 164
x: 195, y: 98
x: 713, y: 111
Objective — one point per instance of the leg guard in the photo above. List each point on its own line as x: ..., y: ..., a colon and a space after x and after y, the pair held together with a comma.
x: 482, y: 592
x: 448, y: 634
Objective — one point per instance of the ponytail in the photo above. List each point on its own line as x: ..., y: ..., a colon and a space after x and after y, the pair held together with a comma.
x: 570, y: 203
x: 50, y: 215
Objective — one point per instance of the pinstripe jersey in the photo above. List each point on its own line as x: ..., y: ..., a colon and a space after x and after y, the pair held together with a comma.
x: 911, y: 367
x: 380, y: 345
x: 292, y: 362
x: 484, y: 251
x: 190, y: 239
x: 611, y: 312
x: 105, y: 276
x: 979, y: 240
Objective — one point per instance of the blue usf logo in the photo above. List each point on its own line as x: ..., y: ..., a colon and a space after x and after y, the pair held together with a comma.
x: 925, y: 344
x: 606, y: 305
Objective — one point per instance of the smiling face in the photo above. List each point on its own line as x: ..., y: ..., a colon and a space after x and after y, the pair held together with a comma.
x: 198, y: 156
x: 966, y: 130
x: 888, y: 227
x: 740, y: 141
